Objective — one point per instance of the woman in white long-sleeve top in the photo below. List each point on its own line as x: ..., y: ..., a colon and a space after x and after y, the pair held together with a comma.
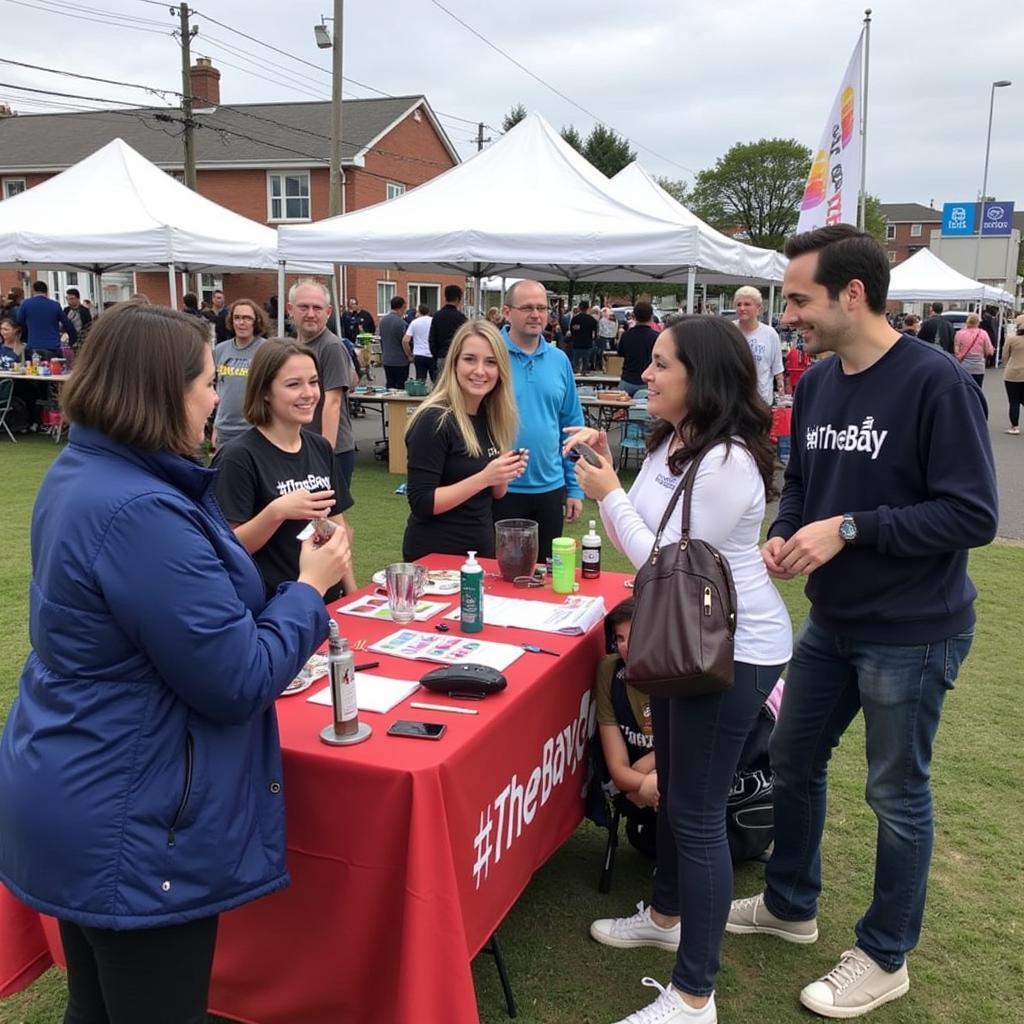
x: 702, y: 390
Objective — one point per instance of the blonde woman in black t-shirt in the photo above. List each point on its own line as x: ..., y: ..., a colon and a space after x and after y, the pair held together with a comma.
x: 277, y: 475
x: 458, y: 444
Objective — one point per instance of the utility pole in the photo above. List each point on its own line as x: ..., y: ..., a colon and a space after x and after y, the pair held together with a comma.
x: 336, y: 114
x: 186, y: 97
x: 480, y: 140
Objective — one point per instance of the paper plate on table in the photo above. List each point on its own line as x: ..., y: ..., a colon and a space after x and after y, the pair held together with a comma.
x: 314, y: 669
x: 439, y: 581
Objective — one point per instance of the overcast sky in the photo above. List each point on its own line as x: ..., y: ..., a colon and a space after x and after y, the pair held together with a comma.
x: 682, y: 80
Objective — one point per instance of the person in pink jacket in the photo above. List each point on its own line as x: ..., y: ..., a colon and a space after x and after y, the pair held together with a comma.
x: 971, y: 347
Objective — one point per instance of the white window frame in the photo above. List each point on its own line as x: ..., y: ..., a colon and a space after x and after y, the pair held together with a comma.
x: 393, y: 189
x: 414, y: 294
x: 8, y: 182
x: 282, y: 175
x: 915, y: 230
x: 890, y: 232
x: 390, y: 290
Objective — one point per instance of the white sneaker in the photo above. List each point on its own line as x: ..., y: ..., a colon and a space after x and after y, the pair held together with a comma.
x: 856, y: 985
x: 669, y: 1008
x: 633, y: 932
x: 751, y: 917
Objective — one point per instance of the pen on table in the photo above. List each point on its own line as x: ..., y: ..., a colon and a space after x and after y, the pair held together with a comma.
x: 443, y: 707
x: 366, y: 667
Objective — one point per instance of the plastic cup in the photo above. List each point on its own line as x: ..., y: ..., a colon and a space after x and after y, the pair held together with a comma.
x: 516, y: 545
x: 404, y: 583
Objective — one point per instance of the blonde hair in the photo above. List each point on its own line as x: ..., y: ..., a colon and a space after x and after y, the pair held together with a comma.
x: 498, y: 405
x: 973, y: 320
x: 748, y: 291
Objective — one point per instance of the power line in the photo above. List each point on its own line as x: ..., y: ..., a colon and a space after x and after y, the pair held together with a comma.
x: 557, y: 92
x: 82, y: 17
x: 88, y: 78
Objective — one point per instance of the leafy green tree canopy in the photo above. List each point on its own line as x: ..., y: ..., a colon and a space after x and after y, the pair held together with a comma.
x: 515, y: 114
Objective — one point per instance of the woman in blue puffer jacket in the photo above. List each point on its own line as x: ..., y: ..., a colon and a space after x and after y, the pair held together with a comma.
x: 140, y: 771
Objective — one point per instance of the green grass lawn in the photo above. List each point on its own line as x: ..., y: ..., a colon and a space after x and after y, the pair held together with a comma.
x: 969, y: 968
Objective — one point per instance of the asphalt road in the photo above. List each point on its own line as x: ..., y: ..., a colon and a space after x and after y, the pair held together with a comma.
x: 1008, y: 450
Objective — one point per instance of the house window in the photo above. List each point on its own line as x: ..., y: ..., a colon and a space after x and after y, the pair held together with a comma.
x: 385, y: 293
x: 890, y: 232
x: 71, y: 279
x: 288, y: 195
x: 13, y: 187
x: 425, y: 294
x: 392, y: 190
x: 892, y: 255
x: 915, y: 230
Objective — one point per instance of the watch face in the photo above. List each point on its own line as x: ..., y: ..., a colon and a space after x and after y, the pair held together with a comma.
x: 848, y: 529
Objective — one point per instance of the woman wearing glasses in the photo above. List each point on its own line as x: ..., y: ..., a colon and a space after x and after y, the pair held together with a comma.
x: 232, y: 359
x: 455, y: 441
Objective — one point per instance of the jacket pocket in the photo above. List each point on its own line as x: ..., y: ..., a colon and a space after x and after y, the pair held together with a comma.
x: 186, y: 792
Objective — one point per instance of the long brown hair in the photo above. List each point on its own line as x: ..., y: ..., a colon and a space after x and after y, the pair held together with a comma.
x: 131, y: 375
x: 259, y: 326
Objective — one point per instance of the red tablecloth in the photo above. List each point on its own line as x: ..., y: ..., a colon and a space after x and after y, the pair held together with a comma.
x: 405, y: 855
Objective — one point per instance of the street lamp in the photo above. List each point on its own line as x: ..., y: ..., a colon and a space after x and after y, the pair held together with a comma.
x: 323, y: 37
x: 324, y: 42
x: 1001, y: 84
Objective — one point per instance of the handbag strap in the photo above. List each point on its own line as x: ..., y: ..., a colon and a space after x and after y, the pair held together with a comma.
x: 684, y: 485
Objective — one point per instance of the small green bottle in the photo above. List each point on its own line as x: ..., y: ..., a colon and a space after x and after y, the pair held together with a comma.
x: 471, y: 595
x: 563, y: 565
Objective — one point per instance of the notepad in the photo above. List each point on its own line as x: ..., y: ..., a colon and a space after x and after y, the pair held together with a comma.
x: 373, y: 693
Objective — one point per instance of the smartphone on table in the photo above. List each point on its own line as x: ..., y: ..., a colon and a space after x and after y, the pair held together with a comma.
x: 417, y: 730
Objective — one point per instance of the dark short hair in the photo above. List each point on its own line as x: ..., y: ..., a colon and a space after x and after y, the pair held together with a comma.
x: 452, y: 293
x: 937, y: 307
x: 14, y: 323
x: 265, y: 366
x: 131, y: 375
x: 259, y: 327
x: 622, y: 612
x: 190, y: 299
x: 40, y: 286
x: 845, y: 254
x: 423, y: 309
x: 643, y: 311
x: 73, y: 291
x: 584, y: 305
x: 397, y: 302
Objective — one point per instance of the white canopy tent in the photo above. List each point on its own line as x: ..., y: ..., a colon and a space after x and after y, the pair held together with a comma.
x: 924, y: 277
x: 115, y: 210
x: 527, y: 206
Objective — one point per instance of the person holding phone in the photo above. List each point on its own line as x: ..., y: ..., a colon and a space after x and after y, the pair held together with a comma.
x: 140, y: 771
x: 458, y: 445
x: 278, y: 475
x: 702, y: 389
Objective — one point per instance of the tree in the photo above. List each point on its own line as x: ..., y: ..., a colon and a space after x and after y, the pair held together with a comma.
x: 513, y: 117
x: 573, y: 137
x: 608, y: 152
x: 756, y: 187
x: 678, y: 190
x: 874, y: 219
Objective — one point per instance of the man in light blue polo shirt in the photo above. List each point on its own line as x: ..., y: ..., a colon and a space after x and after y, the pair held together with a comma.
x: 547, y: 400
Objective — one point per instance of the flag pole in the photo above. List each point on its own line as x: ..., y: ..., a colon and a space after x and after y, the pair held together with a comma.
x: 862, y: 213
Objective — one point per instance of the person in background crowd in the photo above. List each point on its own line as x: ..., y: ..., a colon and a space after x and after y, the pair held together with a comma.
x: 309, y: 306
x: 15, y: 297
x: 190, y: 304
x: 763, y: 341
x: 417, y: 337
x: 989, y: 323
x: 77, y: 312
x: 222, y: 327
x: 582, y: 333
x: 881, y: 528
x: 702, y: 389
x: 547, y: 401
x: 911, y: 324
x: 1013, y: 373
x: 937, y: 330
x: 277, y: 475
x: 972, y: 347
x: 635, y: 347
x: 458, y: 443
x: 494, y: 316
x: 394, y: 350
x: 356, y: 321
x: 137, y: 810
x: 232, y: 359
x: 607, y: 332
x: 12, y: 347
x: 444, y: 323
x: 42, y: 319
x: 553, y: 332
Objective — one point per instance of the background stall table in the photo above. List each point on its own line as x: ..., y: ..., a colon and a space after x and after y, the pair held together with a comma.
x: 405, y: 855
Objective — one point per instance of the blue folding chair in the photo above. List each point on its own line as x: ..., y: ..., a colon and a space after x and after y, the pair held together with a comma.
x: 634, y: 431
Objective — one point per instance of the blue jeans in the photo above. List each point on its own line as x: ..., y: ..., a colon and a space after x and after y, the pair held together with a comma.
x: 900, y: 690
x: 581, y: 359
x: 630, y: 389
x: 697, y: 745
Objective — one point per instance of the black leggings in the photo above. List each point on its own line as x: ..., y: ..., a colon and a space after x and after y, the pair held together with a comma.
x: 141, y: 976
x: 1015, y: 396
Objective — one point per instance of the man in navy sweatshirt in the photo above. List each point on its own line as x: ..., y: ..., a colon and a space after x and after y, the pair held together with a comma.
x: 42, y: 318
x: 890, y: 482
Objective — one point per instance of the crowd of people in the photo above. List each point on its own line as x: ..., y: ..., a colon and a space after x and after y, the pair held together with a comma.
x: 143, y: 744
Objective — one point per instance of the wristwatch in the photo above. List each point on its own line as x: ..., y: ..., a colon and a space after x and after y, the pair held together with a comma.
x: 848, y: 529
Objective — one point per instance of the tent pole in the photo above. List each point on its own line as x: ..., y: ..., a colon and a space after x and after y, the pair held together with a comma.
x: 172, y: 287
x: 280, y: 299
x: 334, y: 303
x: 771, y: 302
x: 691, y: 288
x: 97, y: 292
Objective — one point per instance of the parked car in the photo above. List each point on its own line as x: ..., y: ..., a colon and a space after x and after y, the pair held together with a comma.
x: 957, y: 317
x: 730, y: 313
x: 622, y: 312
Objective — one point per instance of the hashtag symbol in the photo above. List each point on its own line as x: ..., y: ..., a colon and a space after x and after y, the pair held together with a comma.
x: 482, y: 845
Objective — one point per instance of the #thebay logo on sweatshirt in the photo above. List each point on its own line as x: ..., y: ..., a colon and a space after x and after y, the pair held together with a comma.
x: 851, y: 438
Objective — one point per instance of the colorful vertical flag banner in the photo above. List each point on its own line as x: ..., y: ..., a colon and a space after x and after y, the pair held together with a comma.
x: 833, y: 186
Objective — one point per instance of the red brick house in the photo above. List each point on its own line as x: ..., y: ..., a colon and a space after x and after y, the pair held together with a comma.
x: 908, y: 229
x: 266, y: 161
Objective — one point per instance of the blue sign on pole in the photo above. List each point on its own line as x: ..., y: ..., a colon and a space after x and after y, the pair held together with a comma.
x: 997, y: 218
x: 958, y: 219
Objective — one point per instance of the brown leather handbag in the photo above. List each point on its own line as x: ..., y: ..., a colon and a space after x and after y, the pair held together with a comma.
x: 681, y: 643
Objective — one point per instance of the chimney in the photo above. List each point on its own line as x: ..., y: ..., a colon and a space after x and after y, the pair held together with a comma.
x: 205, y: 83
